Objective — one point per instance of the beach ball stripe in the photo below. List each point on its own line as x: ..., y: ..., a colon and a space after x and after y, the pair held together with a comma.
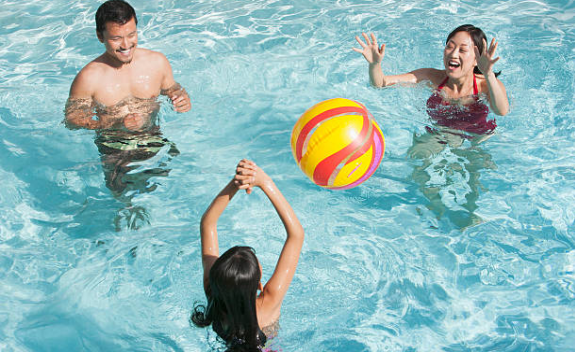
x: 337, y: 144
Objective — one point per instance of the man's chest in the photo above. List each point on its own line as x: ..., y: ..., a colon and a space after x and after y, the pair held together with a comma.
x: 116, y: 86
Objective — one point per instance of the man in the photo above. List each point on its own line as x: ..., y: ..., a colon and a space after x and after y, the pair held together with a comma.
x: 116, y: 94
x: 120, y: 87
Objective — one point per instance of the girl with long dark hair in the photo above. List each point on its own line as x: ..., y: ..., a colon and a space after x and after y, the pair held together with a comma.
x: 239, y: 315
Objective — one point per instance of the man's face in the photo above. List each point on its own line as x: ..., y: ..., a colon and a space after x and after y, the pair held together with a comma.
x: 120, y: 40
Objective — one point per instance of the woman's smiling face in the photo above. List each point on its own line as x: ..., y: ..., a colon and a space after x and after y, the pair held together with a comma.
x: 459, y: 55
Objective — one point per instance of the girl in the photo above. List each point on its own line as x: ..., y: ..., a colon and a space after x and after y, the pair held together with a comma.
x: 238, y: 314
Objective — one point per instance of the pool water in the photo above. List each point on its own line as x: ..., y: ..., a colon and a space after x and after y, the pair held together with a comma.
x: 447, y: 247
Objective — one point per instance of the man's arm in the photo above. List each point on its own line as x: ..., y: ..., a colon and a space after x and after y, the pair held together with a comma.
x: 79, y: 114
x: 177, y: 94
x: 79, y: 107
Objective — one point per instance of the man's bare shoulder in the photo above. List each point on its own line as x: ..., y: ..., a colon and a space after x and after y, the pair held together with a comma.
x: 96, y: 67
x: 153, y: 61
x: 85, y: 82
x: 153, y: 56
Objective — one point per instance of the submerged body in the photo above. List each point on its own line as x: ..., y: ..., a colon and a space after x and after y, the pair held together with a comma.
x: 470, y: 117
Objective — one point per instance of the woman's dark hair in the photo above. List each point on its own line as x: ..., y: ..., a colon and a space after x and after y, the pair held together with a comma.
x: 233, y: 284
x: 478, y: 38
x: 117, y: 11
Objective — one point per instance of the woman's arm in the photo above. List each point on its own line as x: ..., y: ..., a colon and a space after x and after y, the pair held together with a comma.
x: 498, y: 101
x: 209, y: 231
x: 374, y: 54
x: 497, y: 94
x: 249, y: 175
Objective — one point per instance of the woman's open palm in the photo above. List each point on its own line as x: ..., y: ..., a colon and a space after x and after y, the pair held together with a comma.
x: 370, y: 49
x: 485, y: 60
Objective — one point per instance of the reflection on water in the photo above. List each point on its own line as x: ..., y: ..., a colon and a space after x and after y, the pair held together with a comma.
x: 129, y: 162
x: 449, y: 173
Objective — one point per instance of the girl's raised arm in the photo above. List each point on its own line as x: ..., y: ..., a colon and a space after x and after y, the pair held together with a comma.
x: 209, y: 230
x: 249, y: 175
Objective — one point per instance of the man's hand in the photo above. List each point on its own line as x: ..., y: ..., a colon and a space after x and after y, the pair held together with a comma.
x: 135, y: 121
x: 179, y: 97
x: 181, y: 101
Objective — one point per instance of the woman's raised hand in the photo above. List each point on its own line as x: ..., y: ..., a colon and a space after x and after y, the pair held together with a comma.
x: 485, y: 60
x: 370, y: 50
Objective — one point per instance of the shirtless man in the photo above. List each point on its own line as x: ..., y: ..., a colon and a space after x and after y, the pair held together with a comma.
x: 120, y: 87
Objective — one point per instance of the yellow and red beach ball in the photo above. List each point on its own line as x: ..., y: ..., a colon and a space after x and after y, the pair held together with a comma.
x: 337, y: 143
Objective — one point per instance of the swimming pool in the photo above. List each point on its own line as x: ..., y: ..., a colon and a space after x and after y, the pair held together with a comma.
x: 471, y: 249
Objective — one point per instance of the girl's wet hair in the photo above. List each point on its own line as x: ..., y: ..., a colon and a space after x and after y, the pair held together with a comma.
x: 231, y: 310
x: 478, y: 37
x: 117, y: 11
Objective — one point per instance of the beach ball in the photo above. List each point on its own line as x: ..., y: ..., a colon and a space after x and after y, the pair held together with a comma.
x: 337, y: 143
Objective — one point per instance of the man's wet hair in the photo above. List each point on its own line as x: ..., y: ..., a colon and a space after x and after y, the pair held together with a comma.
x: 117, y: 11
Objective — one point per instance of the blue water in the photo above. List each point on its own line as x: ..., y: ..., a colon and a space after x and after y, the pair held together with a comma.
x: 469, y: 248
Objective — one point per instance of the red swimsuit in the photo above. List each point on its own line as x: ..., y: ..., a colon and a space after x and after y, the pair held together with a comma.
x: 469, y: 118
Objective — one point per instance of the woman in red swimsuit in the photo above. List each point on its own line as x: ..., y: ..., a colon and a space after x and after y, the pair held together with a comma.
x: 464, y: 92
x: 456, y: 102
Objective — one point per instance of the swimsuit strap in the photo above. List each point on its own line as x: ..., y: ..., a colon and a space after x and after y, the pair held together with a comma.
x: 475, y: 90
x: 440, y: 86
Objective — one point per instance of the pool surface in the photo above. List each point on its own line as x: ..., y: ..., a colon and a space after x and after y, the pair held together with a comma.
x: 446, y: 247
